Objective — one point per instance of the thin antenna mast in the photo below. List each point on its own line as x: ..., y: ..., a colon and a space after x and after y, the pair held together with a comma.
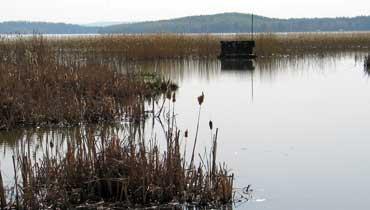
x: 252, y: 26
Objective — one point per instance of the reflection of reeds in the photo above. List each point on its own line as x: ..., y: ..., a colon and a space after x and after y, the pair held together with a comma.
x: 102, y: 168
x: 367, y: 65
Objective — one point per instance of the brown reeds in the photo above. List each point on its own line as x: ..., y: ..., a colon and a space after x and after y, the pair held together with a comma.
x: 129, y: 47
x: 101, y: 48
x: 158, y: 46
x: 36, y: 89
x: 293, y: 44
x: 103, y: 167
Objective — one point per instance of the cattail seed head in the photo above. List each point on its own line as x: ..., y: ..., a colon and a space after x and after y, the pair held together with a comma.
x: 210, y: 124
x: 201, y: 99
x: 186, y: 134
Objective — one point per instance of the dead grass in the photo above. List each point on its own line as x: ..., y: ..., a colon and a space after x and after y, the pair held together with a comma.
x: 104, y: 167
x: 309, y: 43
x: 36, y: 89
x: 208, y: 46
x: 160, y: 46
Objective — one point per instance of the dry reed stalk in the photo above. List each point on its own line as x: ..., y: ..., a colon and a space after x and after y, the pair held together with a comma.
x: 2, y: 193
x: 200, y: 102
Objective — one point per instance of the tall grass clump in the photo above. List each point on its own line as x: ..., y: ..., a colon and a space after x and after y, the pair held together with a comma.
x: 104, y: 167
x: 36, y: 89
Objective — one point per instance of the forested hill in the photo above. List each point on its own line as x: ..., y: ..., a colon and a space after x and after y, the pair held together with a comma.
x: 238, y: 22
x: 23, y: 27
x: 219, y: 23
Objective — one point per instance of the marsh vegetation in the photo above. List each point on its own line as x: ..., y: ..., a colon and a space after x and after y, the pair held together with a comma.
x: 116, y: 167
x: 79, y: 82
x: 39, y: 88
x: 43, y: 85
x: 101, y: 48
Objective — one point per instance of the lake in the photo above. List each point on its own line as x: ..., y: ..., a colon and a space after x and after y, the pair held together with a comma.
x: 296, y: 129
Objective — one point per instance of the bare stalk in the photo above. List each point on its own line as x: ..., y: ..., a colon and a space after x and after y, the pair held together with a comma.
x: 2, y: 193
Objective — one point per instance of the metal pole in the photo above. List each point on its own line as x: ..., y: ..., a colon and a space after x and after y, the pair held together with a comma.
x: 252, y: 26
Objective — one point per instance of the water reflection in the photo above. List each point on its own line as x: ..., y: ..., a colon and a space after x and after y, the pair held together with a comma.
x: 208, y: 69
x: 367, y: 64
x: 307, y: 125
x: 237, y: 65
x: 265, y: 69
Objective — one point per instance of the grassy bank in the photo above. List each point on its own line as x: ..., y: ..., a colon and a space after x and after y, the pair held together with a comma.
x: 37, y: 89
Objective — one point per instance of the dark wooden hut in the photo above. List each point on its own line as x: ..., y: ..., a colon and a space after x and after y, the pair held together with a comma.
x: 237, y: 50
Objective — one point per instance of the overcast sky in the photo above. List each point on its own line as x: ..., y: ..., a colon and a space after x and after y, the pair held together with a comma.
x: 85, y: 11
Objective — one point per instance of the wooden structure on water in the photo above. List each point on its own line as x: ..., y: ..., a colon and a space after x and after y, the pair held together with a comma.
x: 237, y: 50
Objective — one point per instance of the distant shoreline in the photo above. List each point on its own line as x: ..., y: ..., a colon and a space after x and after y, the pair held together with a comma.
x: 210, y: 24
x: 180, y: 34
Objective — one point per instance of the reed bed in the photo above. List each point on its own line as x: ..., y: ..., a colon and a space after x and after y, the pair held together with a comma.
x: 103, y: 167
x: 165, y: 46
x: 37, y: 89
x: 137, y: 47
x: 302, y: 44
x: 158, y: 46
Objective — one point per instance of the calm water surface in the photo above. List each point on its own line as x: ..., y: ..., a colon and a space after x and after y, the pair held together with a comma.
x: 296, y: 129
